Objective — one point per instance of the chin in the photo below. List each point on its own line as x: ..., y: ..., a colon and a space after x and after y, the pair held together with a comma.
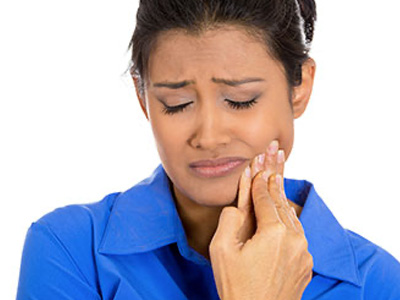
x: 213, y: 198
x: 219, y: 192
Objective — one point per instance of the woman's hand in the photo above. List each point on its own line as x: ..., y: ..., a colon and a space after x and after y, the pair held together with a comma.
x: 266, y: 256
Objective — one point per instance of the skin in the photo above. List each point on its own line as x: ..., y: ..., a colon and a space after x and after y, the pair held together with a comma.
x: 276, y: 249
x: 209, y: 128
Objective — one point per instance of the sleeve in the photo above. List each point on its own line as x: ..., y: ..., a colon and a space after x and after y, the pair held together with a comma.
x: 383, y: 279
x: 48, y: 271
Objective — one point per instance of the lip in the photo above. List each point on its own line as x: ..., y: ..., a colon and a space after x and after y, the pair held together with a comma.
x: 218, y: 167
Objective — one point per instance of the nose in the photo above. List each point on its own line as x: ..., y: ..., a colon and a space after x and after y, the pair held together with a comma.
x: 211, y: 129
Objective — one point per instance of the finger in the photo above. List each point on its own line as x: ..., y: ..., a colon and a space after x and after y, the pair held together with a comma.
x: 280, y: 162
x: 271, y: 158
x: 244, y: 197
x: 297, y: 222
x: 257, y: 164
x: 229, y: 223
x: 264, y: 206
x: 260, y: 162
x: 245, y: 205
x: 285, y: 212
x: 281, y: 158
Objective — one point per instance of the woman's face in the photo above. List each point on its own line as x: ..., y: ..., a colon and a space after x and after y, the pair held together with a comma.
x: 210, y: 72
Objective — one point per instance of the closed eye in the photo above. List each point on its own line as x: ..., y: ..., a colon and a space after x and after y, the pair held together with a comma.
x: 242, y: 105
x: 169, y: 110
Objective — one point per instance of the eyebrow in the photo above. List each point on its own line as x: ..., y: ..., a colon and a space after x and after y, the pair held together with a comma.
x: 229, y: 82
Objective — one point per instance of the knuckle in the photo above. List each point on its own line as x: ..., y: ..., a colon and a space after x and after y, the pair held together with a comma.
x: 228, y: 212
x: 217, y: 246
x: 307, y: 270
x: 278, y: 228
x: 302, y: 242
x: 258, y: 188
x: 260, y: 191
x: 259, y: 181
x: 307, y: 264
x: 310, y: 261
x: 298, y: 240
x: 212, y: 246
x: 230, y: 209
x: 299, y: 245
x: 308, y: 277
x: 260, y: 194
x: 273, y: 187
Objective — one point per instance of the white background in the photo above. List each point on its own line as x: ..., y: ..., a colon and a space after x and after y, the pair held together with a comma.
x: 72, y: 131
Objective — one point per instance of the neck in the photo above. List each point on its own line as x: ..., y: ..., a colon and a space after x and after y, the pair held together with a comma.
x: 199, y: 222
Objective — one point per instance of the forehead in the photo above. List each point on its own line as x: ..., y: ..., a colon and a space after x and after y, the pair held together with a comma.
x: 227, y: 51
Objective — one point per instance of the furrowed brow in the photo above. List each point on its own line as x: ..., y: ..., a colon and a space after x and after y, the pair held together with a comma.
x: 173, y: 85
x: 230, y: 82
x: 236, y: 82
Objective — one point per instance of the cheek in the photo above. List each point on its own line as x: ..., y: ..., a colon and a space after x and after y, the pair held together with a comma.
x: 168, y: 137
x: 262, y: 128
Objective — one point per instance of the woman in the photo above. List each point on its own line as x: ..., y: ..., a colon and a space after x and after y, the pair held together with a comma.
x: 221, y: 83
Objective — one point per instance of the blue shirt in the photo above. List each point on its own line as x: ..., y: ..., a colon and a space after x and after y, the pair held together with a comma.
x: 132, y: 245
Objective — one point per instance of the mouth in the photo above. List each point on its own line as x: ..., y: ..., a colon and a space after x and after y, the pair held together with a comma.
x: 217, y: 168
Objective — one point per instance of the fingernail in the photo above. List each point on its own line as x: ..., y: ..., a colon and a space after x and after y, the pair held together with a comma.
x: 247, y: 172
x: 265, y: 175
x: 261, y: 159
x: 273, y: 147
x: 281, y: 156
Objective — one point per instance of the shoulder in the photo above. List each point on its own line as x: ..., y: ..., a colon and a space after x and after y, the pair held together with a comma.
x: 73, y: 231
x: 78, y: 220
x: 379, y: 270
x: 60, y: 246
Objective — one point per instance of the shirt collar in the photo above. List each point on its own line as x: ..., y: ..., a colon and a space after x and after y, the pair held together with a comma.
x: 145, y: 218
x: 332, y: 252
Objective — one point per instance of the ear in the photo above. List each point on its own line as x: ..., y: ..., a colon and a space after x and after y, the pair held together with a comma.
x: 142, y: 101
x: 302, y: 93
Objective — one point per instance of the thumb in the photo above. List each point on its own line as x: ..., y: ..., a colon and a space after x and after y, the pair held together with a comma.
x: 226, y: 235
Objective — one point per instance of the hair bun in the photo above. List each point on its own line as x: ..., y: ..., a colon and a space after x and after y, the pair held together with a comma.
x: 309, y: 14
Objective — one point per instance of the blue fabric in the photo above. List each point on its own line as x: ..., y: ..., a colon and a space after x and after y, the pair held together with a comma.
x: 132, y: 245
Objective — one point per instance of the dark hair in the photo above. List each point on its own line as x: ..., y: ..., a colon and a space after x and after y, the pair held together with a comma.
x: 286, y: 26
